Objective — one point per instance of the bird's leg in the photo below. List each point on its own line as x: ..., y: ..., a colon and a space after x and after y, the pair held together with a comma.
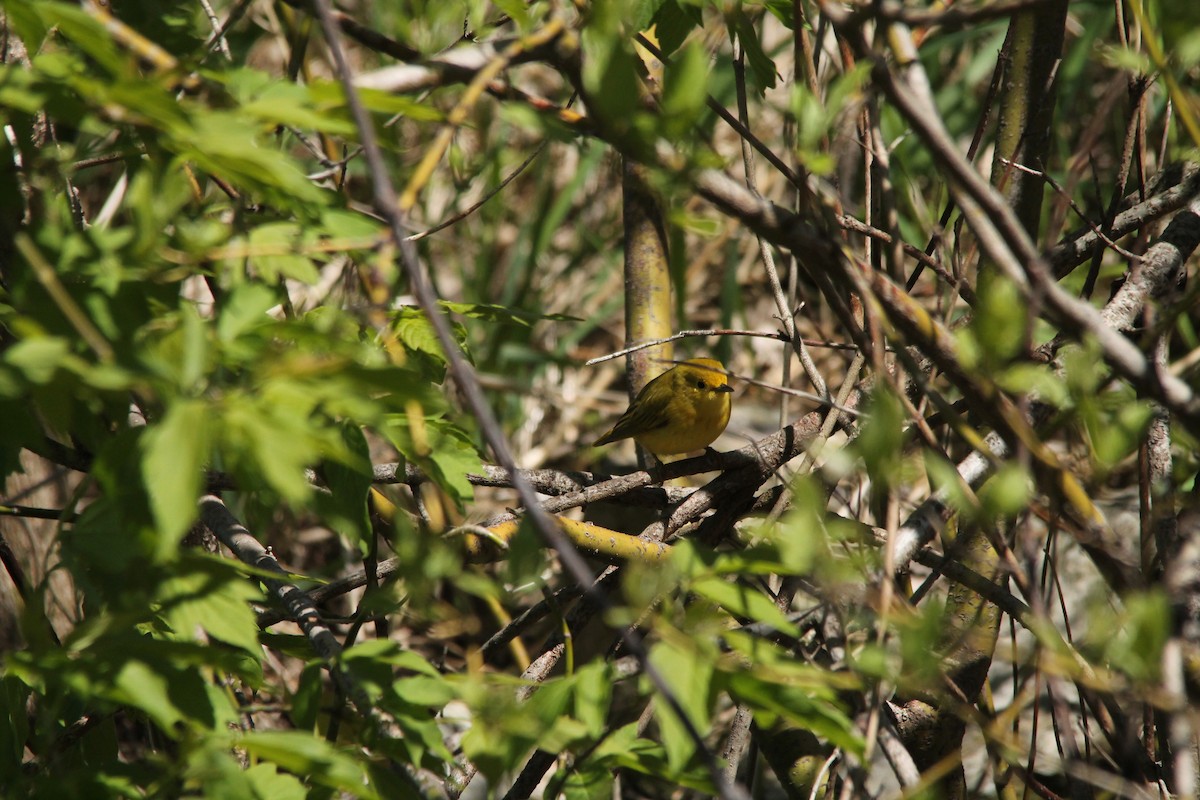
x: 648, y: 461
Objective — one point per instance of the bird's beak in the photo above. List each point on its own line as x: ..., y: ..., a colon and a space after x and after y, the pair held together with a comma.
x: 725, y: 387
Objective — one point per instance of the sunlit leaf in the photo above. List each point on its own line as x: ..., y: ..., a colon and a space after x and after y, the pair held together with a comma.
x: 176, y: 453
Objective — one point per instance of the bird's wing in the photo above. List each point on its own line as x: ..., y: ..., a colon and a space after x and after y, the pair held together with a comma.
x: 641, y: 417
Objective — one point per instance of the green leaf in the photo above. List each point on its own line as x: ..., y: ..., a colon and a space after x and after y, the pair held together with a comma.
x: 945, y: 479
x: 648, y: 757
x: 166, y: 691
x: 690, y: 676
x: 349, y: 481
x: 796, y: 705
x: 439, y: 448
x: 212, y: 597
x: 84, y: 30
x: 587, y: 781
x: 14, y: 726
x: 265, y: 781
x: 306, y: 702
x: 744, y: 602
x: 490, y: 312
x: 425, y: 691
x: 638, y: 13
x: 20, y: 430
x: 882, y: 439
x: 701, y: 225
x: 685, y: 91
x: 762, y: 68
x: 271, y: 438
x: 176, y: 451
x: 517, y: 10
x: 1006, y: 493
x: 417, y: 334
x: 673, y: 22
x: 328, y: 94
x: 194, y: 364
x: 1119, y: 432
x: 20, y: 90
x: 226, y: 144
x: 350, y: 224
x: 501, y: 732
x: 304, y: 754
x: 999, y: 323
x: 593, y: 694
x: 244, y: 310
x: 1036, y: 379
x: 283, y: 103
x: 784, y: 11
x: 1134, y: 642
x: 609, y: 68
x: 38, y: 358
x: 269, y: 245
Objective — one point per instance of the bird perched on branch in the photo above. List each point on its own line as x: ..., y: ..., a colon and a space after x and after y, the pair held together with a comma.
x: 684, y: 409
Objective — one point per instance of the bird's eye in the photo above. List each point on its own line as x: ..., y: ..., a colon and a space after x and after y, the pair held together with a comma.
x: 700, y: 384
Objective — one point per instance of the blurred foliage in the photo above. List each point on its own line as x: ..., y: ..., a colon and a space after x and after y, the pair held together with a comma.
x: 189, y: 248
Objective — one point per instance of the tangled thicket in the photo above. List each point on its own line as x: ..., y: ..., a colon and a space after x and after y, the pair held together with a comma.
x: 295, y: 305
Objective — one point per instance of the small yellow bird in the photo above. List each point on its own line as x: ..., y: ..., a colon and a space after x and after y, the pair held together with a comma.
x: 684, y: 409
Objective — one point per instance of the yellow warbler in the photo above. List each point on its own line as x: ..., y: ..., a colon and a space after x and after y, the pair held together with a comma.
x: 684, y: 409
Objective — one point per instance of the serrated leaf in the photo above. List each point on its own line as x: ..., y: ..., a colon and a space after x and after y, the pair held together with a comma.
x: 453, y: 457
x: 648, y: 757
x: 417, y: 333
x: 441, y: 449
x: 267, y: 781
x: 272, y: 439
x: 211, y: 597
